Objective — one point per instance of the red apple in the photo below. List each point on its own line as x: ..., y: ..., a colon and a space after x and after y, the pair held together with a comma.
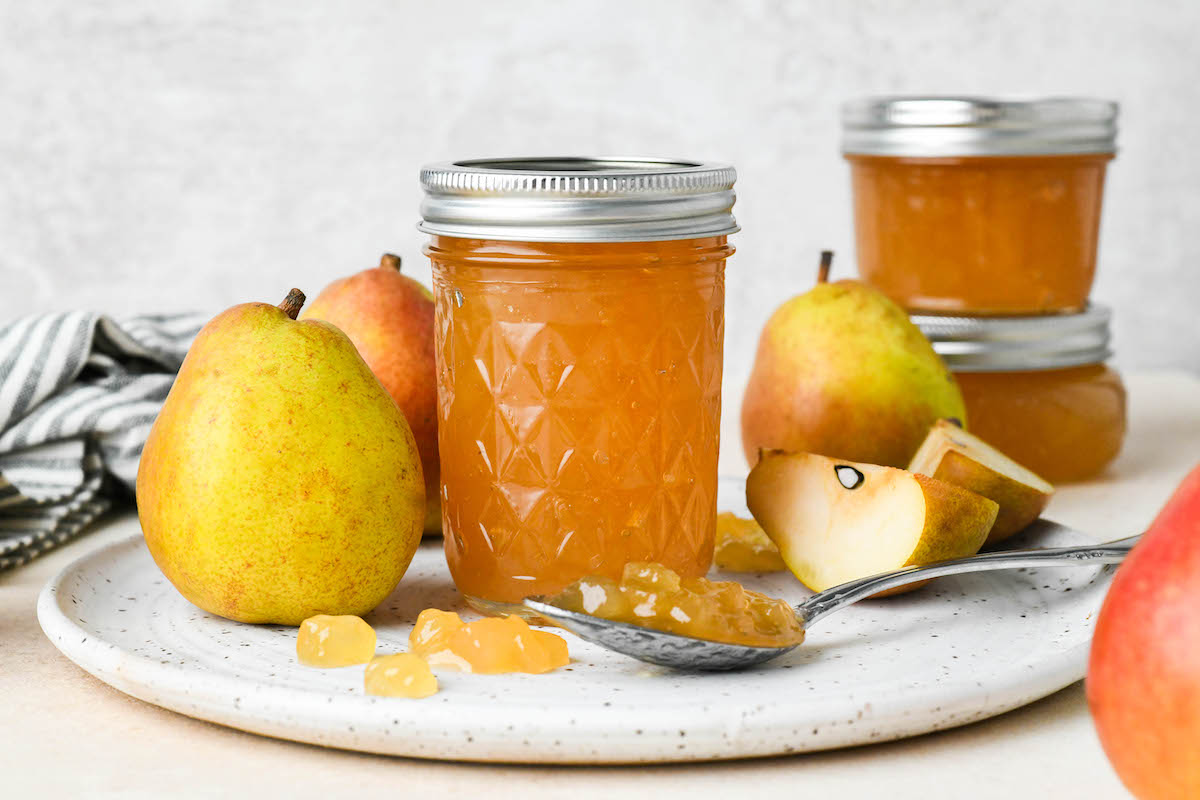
x: 1143, y: 680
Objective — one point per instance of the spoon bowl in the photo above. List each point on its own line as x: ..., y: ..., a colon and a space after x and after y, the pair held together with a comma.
x: 692, y: 654
x: 654, y: 646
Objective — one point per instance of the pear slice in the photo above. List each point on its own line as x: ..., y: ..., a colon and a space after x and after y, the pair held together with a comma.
x: 951, y: 454
x: 835, y: 521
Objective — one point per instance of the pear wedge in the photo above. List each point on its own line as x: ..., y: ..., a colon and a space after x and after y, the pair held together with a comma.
x: 835, y: 520
x: 951, y: 454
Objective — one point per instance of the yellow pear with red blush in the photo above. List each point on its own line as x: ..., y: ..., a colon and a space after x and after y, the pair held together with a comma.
x: 1143, y: 681
x: 842, y: 372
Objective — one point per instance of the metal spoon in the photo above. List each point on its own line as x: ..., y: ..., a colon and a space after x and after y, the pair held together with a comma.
x: 689, y: 653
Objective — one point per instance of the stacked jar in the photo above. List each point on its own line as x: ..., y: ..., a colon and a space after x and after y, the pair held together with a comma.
x: 981, y: 217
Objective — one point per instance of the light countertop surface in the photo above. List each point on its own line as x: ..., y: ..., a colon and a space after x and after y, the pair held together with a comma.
x: 65, y: 734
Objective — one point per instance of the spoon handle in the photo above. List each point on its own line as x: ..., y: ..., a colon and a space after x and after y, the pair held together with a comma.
x: 838, y: 597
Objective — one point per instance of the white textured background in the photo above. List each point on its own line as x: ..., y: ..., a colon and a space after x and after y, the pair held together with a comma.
x: 170, y: 155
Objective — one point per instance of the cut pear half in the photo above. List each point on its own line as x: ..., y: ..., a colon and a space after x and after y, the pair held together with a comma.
x: 835, y: 520
x: 951, y: 454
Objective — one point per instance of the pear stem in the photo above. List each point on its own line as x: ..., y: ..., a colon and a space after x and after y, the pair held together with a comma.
x: 826, y: 264
x: 390, y: 261
x: 292, y: 304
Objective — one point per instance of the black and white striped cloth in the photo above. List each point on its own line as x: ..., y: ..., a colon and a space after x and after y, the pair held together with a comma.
x: 78, y: 393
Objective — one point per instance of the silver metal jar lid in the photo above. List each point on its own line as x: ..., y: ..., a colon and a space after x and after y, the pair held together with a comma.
x: 578, y: 199
x: 1017, y: 344
x: 978, y: 126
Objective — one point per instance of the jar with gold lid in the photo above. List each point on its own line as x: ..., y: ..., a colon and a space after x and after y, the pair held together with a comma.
x: 968, y: 205
x: 1038, y: 388
x: 579, y: 333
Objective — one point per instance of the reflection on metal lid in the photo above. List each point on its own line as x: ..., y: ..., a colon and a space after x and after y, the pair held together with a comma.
x: 978, y: 126
x: 568, y: 199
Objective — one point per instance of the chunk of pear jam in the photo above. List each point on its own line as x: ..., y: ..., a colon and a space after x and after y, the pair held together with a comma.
x: 400, y: 675
x: 487, y: 646
x: 327, y: 641
x: 653, y: 596
x: 742, y: 546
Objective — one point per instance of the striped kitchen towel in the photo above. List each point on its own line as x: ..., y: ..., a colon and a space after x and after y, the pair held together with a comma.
x: 78, y: 393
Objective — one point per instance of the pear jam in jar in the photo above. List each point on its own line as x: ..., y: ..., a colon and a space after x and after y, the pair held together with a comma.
x: 1037, y: 388
x: 579, y: 334
x: 966, y: 205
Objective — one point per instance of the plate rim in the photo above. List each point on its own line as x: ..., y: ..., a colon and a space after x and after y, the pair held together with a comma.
x: 138, y: 676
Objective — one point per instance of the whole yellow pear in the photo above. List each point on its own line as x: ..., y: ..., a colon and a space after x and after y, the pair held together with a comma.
x: 280, y: 480
x: 841, y: 371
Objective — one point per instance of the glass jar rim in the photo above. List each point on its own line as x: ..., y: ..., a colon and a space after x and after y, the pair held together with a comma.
x: 578, y: 199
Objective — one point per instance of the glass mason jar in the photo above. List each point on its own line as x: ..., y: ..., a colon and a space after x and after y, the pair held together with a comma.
x: 1037, y: 388
x: 979, y: 206
x: 580, y: 326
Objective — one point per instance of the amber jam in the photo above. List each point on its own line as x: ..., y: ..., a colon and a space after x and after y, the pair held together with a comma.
x: 580, y: 405
x: 1064, y: 424
x: 652, y: 596
x: 400, y: 675
x: 742, y: 546
x: 488, y: 646
x: 984, y: 235
x: 334, y: 641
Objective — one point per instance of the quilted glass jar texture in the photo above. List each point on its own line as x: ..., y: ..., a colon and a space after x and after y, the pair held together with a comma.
x: 579, y: 408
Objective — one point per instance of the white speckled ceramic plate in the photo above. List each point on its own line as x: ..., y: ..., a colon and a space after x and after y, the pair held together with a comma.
x: 959, y: 650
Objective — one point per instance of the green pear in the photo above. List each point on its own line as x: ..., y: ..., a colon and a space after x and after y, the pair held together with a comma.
x: 841, y: 371
x: 280, y: 480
